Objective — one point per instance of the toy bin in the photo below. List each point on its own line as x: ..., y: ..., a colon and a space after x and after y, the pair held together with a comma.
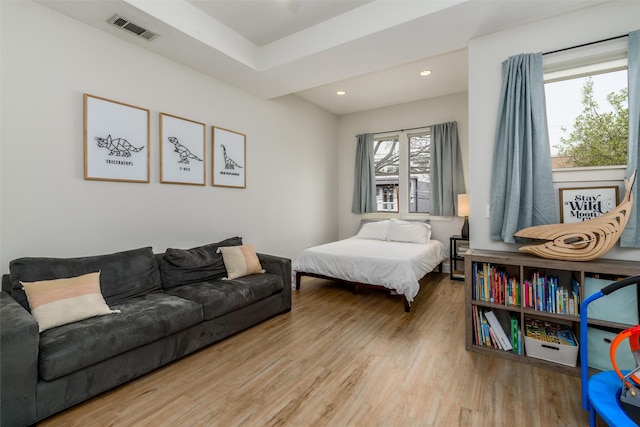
x: 552, y: 342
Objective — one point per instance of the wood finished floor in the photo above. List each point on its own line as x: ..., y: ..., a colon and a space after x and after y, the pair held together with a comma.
x: 340, y: 359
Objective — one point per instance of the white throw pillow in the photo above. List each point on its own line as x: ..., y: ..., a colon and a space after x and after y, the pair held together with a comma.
x: 410, y: 232
x: 240, y: 261
x: 58, y: 302
x: 376, y: 230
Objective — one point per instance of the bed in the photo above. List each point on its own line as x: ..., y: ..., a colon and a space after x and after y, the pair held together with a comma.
x: 390, y: 254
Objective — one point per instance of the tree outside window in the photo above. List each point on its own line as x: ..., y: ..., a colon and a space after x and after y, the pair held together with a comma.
x: 588, y: 120
x: 388, y: 161
x: 387, y: 167
x: 419, y: 173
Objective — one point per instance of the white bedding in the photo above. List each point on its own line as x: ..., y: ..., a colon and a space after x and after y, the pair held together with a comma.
x: 394, y: 265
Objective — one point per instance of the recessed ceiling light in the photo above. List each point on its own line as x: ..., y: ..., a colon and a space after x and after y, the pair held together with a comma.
x: 425, y: 73
x: 341, y: 92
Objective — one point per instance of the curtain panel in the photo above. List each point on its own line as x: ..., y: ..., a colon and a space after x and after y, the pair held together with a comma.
x: 447, y: 178
x: 521, y: 181
x: 364, y: 183
x: 631, y: 235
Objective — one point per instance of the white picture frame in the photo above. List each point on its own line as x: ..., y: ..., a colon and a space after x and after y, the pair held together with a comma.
x: 182, y: 151
x: 228, y: 158
x: 116, y: 141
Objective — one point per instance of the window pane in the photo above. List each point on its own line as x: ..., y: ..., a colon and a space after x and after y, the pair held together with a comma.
x: 419, y: 173
x: 387, y: 166
x: 588, y: 120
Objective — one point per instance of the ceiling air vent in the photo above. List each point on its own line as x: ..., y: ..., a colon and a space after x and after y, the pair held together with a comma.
x: 123, y: 23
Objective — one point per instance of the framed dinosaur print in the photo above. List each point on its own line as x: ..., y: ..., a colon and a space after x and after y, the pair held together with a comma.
x: 116, y: 141
x: 182, y: 151
x: 229, y: 158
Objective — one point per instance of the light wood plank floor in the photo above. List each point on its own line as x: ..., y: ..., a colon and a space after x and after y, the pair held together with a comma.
x: 340, y: 359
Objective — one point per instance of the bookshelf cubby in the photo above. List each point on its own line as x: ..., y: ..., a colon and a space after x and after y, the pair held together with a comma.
x: 568, y: 277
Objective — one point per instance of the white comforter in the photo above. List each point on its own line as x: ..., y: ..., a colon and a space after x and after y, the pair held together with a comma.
x: 394, y: 265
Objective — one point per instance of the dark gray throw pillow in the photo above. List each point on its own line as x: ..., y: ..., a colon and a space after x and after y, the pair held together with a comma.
x: 180, y: 267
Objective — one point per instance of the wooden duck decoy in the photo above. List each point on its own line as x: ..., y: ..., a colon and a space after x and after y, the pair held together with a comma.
x: 581, y: 241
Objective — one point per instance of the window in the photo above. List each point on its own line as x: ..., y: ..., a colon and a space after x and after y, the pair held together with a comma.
x: 387, y: 166
x: 396, y: 157
x: 419, y: 172
x: 587, y: 112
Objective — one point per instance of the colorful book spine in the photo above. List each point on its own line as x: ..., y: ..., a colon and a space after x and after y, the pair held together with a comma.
x: 498, y: 332
x: 493, y: 284
x: 545, y: 293
x: 515, y: 332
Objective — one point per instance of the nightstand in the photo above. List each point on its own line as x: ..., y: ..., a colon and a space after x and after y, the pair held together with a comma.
x: 458, y: 245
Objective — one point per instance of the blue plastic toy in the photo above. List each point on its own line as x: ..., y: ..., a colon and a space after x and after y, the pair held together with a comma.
x: 613, y: 395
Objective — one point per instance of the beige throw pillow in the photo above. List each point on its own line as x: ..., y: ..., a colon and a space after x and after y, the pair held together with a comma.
x: 240, y: 261
x: 58, y: 302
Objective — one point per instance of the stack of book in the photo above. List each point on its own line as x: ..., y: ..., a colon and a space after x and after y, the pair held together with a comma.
x: 498, y: 329
x: 543, y: 293
x: 493, y: 284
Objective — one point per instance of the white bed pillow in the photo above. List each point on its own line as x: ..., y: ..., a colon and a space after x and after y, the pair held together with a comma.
x: 410, y: 232
x: 376, y: 230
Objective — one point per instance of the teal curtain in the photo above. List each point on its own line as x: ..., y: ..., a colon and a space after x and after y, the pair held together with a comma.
x: 364, y: 190
x: 521, y: 182
x: 631, y: 235
x: 447, y: 178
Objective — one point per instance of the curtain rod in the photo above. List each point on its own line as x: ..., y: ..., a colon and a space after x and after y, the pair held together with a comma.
x: 399, y: 130
x: 586, y: 44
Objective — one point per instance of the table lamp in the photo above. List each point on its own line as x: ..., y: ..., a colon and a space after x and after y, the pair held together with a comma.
x: 463, y: 210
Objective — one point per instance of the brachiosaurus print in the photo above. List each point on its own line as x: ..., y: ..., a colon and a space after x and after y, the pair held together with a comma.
x: 117, y: 147
x: 183, y: 151
x: 228, y: 162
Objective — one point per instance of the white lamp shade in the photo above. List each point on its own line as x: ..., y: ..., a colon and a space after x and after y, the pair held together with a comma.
x: 463, y: 205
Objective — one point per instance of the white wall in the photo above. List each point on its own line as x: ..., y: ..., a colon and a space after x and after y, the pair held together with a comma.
x: 485, y: 57
x: 48, y: 209
x: 421, y: 113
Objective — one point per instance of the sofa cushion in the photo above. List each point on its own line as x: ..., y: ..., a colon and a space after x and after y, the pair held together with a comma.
x: 240, y: 261
x: 219, y: 297
x: 181, y: 267
x: 61, y: 301
x: 123, y: 275
x: 142, y: 320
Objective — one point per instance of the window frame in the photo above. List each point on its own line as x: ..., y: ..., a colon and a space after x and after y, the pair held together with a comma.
x: 582, y: 59
x: 403, y: 175
x: 427, y: 132
x: 390, y: 136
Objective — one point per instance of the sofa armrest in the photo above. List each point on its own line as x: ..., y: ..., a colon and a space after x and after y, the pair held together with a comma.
x: 19, y: 340
x: 274, y: 264
x: 6, y: 283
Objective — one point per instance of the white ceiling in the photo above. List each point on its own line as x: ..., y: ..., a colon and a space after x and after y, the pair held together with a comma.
x: 372, y: 49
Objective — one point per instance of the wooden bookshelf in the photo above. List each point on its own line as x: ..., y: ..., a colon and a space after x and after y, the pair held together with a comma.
x: 520, y: 267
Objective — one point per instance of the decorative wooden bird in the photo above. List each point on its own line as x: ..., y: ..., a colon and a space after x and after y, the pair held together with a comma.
x: 581, y: 241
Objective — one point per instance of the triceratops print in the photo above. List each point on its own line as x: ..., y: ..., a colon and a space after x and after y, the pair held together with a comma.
x: 117, y: 147
x: 183, y: 151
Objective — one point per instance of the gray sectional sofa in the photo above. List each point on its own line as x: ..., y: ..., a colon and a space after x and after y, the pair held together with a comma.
x: 171, y: 305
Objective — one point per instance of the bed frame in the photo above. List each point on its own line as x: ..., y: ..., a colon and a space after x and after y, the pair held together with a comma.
x: 357, y: 285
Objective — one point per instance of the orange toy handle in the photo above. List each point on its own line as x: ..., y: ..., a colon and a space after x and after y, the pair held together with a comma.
x: 633, y: 334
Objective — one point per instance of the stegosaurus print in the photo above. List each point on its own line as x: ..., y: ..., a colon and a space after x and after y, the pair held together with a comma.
x: 117, y: 147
